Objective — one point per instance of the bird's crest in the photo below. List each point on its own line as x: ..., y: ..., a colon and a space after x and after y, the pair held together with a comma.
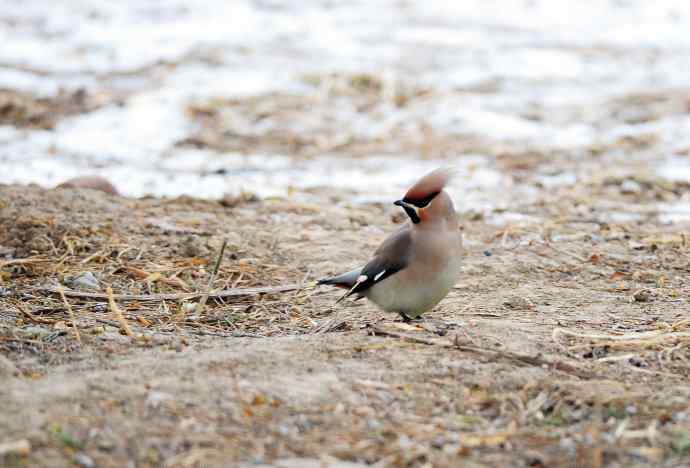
x: 426, y: 188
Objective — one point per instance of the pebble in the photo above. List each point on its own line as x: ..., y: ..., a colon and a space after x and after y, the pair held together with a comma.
x: 84, y: 280
x: 643, y: 295
x: 15, y: 447
x: 156, y: 399
x: 518, y: 302
x: 84, y: 460
x: 631, y: 187
x: 34, y: 332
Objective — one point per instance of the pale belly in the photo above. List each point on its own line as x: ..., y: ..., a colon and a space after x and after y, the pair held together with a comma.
x: 413, y: 298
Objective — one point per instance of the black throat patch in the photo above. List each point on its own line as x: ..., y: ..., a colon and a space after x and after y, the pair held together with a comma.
x: 412, y: 213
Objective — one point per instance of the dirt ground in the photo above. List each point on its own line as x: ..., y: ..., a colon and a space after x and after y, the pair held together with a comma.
x: 566, y: 341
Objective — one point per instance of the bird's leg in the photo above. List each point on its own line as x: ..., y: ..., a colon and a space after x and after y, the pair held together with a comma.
x: 404, y: 317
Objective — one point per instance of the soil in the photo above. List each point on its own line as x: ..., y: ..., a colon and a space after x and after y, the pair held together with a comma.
x: 566, y: 341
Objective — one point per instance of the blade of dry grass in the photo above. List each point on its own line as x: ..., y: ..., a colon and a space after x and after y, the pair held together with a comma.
x: 525, y: 359
x: 24, y: 261
x: 202, y: 302
x: 117, y: 314
x: 635, y: 340
x: 71, y: 315
x: 233, y: 292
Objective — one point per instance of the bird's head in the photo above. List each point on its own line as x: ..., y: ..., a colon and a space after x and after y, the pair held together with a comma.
x: 426, y: 200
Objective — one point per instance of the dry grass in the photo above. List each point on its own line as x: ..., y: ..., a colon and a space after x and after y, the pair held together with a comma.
x: 547, y: 353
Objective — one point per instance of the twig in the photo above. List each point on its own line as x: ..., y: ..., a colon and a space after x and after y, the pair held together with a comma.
x: 32, y: 317
x: 634, y: 340
x: 117, y: 313
x: 23, y: 261
x: 331, y: 324
x: 621, y: 357
x: 202, y: 302
x: 233, y: 292
x: 532, y: 360
x: 225, y: 335
x: 105, y: 321
x: 71, y: 315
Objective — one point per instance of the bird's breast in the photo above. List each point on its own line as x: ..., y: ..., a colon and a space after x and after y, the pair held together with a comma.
x: 423, y: 284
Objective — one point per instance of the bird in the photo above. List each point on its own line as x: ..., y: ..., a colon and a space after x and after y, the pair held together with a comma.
x: 416, y: 266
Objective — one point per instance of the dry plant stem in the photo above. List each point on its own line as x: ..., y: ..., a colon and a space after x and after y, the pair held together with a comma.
x: 71, y: 316
x: 537, y: 361
x: 331, y: 324
x: 23, y: 261
x: 234, y: 292
x: 202, y: 302
x: 117, y: 313
x: 638, y: 340
x: 32, y: 317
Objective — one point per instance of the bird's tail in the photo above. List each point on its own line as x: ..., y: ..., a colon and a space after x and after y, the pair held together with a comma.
x: 346, y: 280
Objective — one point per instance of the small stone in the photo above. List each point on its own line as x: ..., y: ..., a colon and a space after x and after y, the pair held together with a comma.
x: 652, y: 454
x: 643, y: 295
x: 6, y: 252
x: 20, y: 447
x: 106, y: 444
x: 518, y: 302
x: 156, y: 399
x: 84, y: 460
x: 34, y: 332
x: 85, y: 280
x: 567, y: 443
x: 631, y: 187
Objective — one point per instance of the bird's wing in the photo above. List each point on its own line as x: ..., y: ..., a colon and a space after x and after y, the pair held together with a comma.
x: 392, y: 256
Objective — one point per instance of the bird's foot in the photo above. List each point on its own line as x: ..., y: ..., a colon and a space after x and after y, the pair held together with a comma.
x: 407, y: 319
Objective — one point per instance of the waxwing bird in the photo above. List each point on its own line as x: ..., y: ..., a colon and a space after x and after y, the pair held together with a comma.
x: 416, y: 266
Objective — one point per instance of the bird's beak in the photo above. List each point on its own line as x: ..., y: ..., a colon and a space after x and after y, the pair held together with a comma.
x: 409, y: 209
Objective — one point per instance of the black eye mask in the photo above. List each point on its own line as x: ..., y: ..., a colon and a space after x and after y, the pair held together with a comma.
x: 421, y: 202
